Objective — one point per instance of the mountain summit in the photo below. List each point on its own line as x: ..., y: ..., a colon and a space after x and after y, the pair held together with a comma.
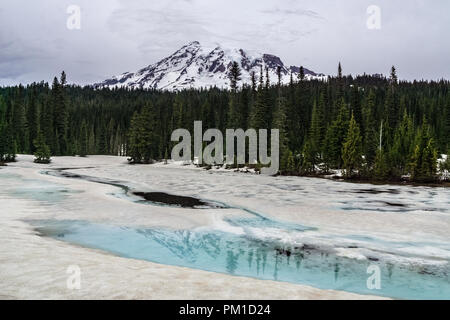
x: 195, y: 66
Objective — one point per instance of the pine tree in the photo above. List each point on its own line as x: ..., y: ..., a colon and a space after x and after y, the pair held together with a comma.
x: 309, y: 158
x: 47, y: 124
x: 313, y: 146
x: 290, y: 164
x: 335, y: 138
x: 253, y: 80
x: 381, y: 167
x: 102, y: 143
x: 143, y: 137
x: 423, y: 163
x: 33, y: 118
x: 280, y: 123
x: 340, y: 84
x: 402, y: 146
x: 352, y: 149
x: 91, y: 143
x: 447, y: 125
x: 370, y: 135
x: 356, y: 108
x: 61, y: 114
x: 318, y: 127
x: 392, y: 106
x: 42, y: 154
x: 84, y: 142
x: 19, y: 123
x: 234, y: 112
x: 234, y: 75
x: 8, y: 145
x: 260, y: 118
x: 301, y: 74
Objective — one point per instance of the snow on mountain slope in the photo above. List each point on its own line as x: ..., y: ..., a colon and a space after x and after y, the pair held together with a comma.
x: 196, y: 66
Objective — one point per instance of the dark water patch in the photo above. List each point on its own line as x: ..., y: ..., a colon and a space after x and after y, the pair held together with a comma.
x: 155, y: 198
x: 76, y: 168
x: 173, y: 200
x: 388, y: 207
x: 375, y: 191
x: 391, y: 204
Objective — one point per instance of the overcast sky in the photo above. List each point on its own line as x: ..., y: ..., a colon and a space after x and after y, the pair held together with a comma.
x: 126, y: 35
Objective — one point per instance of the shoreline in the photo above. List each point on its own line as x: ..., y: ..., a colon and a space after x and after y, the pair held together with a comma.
x: 17, y: 234
x: 246, y: 170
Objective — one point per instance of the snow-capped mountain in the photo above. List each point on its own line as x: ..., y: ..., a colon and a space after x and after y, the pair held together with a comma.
x: 196, y: 66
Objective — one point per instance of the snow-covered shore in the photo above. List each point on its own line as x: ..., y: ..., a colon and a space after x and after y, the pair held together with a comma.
x: 32, y: 266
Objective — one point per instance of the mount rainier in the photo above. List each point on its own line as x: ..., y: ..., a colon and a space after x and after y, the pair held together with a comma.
x: 196, y: 66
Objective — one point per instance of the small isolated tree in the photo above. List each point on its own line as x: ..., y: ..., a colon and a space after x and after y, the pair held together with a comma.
x: 301, y: 74
x: 352, y: 149
x: 234, y: 75
x: 42, y: 154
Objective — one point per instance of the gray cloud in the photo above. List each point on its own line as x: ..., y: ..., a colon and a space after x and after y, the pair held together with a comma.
x: 118, y: 35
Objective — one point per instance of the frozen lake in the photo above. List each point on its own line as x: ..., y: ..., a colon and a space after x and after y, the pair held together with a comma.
x: 314, y: 232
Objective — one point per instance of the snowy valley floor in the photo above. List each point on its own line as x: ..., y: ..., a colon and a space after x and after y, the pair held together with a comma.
x: 396, y: 225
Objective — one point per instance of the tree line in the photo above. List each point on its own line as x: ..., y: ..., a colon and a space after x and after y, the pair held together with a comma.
x: 370, y: 126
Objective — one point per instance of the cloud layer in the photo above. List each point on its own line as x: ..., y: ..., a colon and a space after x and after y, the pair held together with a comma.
x: 119, y: 35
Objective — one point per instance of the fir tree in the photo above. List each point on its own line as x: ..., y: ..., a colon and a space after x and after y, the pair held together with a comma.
x: 423, y: 164
x: 42, y: 154
x: 352, y: 149
x: 392, y: 106
x: 33, y: 118
x: 447, y: 125
x: 309, y: 158
x: 253, y: 80
x: 260, y: 118
x: 61, y: 114
x: 19, y: 123
x: 340, y: 84
x: 301, y: 74
x: 143, y: 139
x: 381, y: 167
x: 318, y: 126
x: 402, y: 145
x: 234, y: 75
x: 280, y: 123
x: 335, y: 138
x: 370, y: 135
x: 84, y: 140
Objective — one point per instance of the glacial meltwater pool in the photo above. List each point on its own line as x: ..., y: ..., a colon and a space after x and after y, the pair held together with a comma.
x: 242, y: 255
x: 252, y: 244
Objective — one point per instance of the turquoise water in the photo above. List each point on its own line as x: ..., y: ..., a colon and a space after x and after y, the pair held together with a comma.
x: 251, y: 257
